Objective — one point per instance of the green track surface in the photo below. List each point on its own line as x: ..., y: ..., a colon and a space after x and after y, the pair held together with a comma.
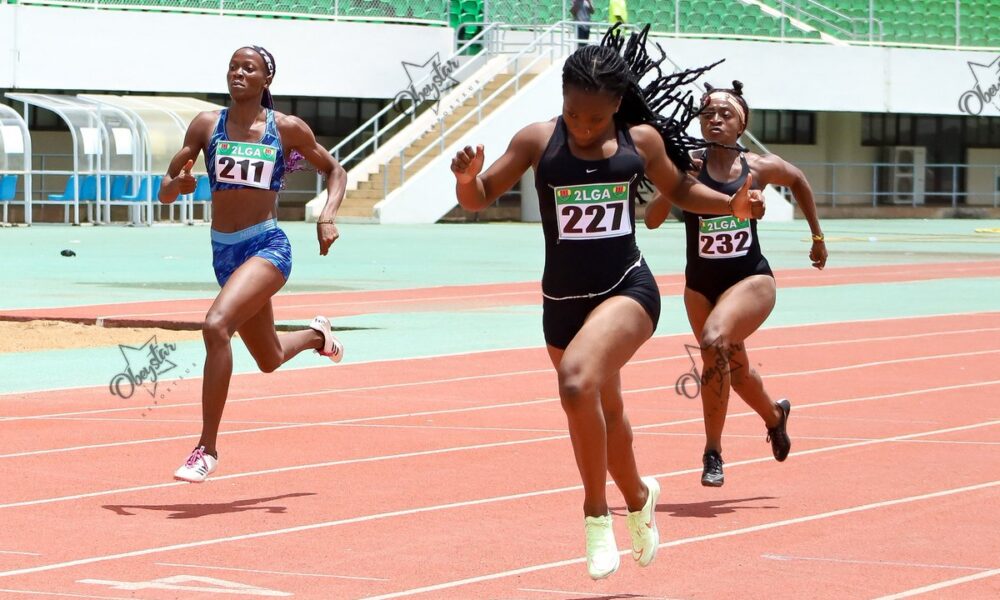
x: 125, y: 264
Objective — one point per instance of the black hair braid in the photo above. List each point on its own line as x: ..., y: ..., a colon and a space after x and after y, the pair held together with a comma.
x: 617, y: 66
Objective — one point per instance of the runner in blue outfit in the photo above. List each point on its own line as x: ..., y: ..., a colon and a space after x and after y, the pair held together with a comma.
x: 248, y: 149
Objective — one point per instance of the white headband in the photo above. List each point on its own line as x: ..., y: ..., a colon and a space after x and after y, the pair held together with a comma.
x: 731, y: 100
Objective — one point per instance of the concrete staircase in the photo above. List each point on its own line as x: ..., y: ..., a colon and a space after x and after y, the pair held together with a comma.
x: 359, y: 203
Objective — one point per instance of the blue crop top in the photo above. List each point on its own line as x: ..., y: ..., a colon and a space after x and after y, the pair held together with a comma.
x: 240, y: 165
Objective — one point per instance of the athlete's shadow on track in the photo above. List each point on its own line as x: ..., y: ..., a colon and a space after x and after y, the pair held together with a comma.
x: 193, y: 511
x: 613, y: 597
x: 706, y: 510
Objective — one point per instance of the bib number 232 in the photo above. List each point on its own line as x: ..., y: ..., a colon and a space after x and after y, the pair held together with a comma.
x: 724, y: 237
x: 593, y: 211
x: 245, y: 164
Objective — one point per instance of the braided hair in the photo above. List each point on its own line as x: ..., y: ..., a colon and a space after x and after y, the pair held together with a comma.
x: 616, y: 66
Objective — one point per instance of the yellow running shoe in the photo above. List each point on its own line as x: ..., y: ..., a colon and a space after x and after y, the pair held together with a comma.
x: 642, y: 526
x: 602, y: 552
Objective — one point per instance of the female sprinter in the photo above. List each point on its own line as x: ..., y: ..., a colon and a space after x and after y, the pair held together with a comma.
x: 730, y: 289
x: 600, y: 299
x: 246, y: 147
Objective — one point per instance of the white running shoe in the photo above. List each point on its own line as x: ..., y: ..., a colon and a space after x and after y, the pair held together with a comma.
x: 642, y: 526
x: 332, y: 348
x: 198, y: 466
x: 602, y: 552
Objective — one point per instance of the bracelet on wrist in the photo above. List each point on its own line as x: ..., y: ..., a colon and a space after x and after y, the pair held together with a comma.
x: 325, y: 222
x: 818, y: 238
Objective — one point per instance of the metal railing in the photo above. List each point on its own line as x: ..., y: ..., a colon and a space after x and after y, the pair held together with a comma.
x: 550, y: 43
x: 379, y: 131
x: 878, y: 184
x: 832, y: 20
x: 397, y: 11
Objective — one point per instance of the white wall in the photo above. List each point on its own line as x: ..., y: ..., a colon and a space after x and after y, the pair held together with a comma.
x: 84, y: 49
x: 58, y: 48
x: 837, y: 78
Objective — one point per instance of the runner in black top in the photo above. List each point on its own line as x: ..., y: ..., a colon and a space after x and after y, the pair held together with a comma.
x: 730, y: 288
x: 600, y: 299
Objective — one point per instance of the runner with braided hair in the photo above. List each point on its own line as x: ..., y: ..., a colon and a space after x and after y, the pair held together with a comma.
x: 600, y: 300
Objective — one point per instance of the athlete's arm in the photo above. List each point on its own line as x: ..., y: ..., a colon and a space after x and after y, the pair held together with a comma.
x: 178, y: 179
x: 298, y: 136
x: 773, y: 169
x: 476, y: 192
x: 684, y: 190
x: 657, y: 211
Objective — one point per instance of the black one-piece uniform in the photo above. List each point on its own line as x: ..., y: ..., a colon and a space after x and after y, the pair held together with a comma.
x: 588, y: 217
x: 721, y: 250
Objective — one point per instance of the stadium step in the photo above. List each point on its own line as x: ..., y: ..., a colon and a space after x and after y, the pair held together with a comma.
x: 359, y: 203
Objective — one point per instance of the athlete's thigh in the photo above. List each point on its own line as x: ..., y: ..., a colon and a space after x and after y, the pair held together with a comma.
x: 609, y: 337
x: 743, y: 308
x: 248, y: 289
x: 258, y: 332
x: 698, y: 308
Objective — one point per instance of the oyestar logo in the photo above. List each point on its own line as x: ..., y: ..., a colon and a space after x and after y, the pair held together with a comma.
x: 985, y: 91
x: 432, y: 88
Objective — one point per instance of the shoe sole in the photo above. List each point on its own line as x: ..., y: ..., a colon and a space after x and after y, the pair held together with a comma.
x: 717, y: 484
x: 654, y: 529
x: 608, y: 574
x: 189, y: 480
x: 787, y: 415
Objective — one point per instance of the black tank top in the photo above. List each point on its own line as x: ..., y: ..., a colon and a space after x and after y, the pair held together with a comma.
x: 588, y: 216
x: 721, y: 242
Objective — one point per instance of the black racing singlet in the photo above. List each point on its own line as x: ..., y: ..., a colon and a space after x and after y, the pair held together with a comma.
x: 721, y: 244
x: 588, y: 216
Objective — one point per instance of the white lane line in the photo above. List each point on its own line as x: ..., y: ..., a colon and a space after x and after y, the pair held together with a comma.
x: 590, y: 594
x: 880, y: 363
x: 166, y: 564
x: 67, y: 595
x: 468, y: 503
x: 707, y: 537
x: 887, y: 563
x: 506, y: 374
x: 817, y: 438
x: 18, y: 395
x: 279, y: 428
x: 21, y: 553
x: 941, y: 585
x: 363, y: 419
x: 480, y: 446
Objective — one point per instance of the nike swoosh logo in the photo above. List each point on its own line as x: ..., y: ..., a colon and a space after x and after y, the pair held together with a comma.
x: 591, y: 170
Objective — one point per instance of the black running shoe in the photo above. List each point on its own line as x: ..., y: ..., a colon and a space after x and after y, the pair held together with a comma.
x: 712, y: 475
x: 780, y: 442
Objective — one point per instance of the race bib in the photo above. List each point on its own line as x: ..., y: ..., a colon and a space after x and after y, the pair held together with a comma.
x: 598, y: 210
x: 245, y: 164
x: 724, y: 237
